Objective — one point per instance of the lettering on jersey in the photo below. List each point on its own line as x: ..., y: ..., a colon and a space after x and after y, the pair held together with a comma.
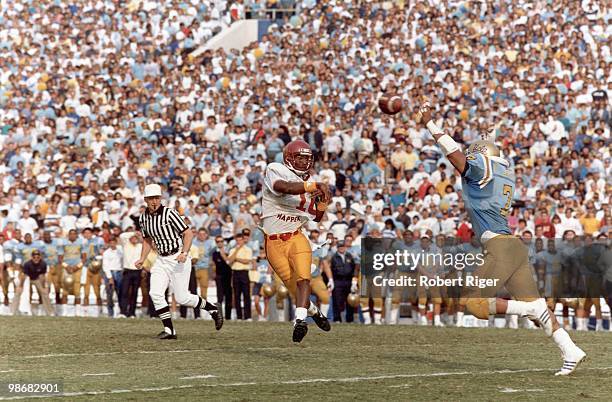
x: 287, y: 218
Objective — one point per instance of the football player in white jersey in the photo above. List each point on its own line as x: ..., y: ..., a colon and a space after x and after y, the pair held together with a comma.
x: 289, y: 201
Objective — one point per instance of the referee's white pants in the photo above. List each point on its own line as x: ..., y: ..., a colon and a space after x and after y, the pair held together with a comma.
x: 168, y: 272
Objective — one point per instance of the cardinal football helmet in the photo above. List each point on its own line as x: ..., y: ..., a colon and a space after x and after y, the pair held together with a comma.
x: 298, y: 157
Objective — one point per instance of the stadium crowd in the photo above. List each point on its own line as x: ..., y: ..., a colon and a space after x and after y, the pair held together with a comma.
x: 98, y: 99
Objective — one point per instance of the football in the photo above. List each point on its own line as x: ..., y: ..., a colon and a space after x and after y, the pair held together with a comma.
x: 390, y: 104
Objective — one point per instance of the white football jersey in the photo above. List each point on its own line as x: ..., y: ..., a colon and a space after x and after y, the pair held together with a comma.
x: 284, y: 213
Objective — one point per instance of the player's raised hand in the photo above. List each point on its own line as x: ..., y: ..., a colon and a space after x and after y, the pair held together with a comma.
x: 424, y: 115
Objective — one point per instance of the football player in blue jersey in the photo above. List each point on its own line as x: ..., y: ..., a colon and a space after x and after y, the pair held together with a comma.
x: 488, y: 188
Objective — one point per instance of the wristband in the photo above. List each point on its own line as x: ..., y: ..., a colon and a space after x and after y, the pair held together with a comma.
x: 433, y: 128
x: 321, y: 206
x: 310, y: 186
x: 447, y: 144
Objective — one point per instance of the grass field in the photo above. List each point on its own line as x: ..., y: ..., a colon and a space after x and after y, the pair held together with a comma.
x: 105, y: 359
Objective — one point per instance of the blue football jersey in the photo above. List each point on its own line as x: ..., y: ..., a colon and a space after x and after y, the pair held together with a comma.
x: 488, y: 188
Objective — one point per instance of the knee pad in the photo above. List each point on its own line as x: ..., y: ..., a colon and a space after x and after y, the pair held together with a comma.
x: 480, y: 307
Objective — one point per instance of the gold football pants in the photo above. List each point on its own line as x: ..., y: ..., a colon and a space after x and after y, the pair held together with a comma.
x: 506, y: 260
x: 94, y: 280
x: 55, y: 277
x: 319, y: 289
x: 290, y: 259
x: 202, y: 278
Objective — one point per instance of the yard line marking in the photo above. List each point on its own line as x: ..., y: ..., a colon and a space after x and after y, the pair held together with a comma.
x: 196, y: 377
x: 143, y: 352
x: 146, y: 352
x: 13, y: 371
x: 292, y: 382
x: 512, y: 390
x: 96, y: 374
x: 478, y: 373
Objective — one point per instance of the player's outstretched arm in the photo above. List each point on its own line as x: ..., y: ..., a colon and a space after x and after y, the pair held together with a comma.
x: 446, y: 143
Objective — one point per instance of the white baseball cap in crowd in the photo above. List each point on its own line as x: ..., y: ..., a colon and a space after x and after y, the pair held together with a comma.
x: 152, y: 190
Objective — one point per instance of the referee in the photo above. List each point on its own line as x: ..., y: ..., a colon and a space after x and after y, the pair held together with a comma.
x: 164, y: 228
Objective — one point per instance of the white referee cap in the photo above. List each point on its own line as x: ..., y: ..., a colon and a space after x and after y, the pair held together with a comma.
x: 152, y: 190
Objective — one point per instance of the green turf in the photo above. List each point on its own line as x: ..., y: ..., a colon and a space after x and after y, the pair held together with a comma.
x: 258, y: 361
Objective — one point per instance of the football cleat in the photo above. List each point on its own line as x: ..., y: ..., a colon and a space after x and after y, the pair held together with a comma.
x: 217, y: 316
x: 300, y: 329
x: 321, y: 321
x: 571, y: 361
x: 165, y: 335
x: 538, y: 313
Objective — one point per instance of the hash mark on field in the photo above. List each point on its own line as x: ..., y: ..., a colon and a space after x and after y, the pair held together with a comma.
x: 197, y: 377
x: 96, y: 374
x: 512, y: 390
x: 241, y: 384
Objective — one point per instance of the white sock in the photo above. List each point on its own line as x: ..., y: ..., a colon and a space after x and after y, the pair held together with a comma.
x: 325, y: 309
x: 366, y: 316
x: 563, y: 340
x: 312, y: 309
x: 394, y: 315
x: 459, y: 317
x: 301, y: 313
x: 599, y: 326
x: 436, y: 319
x: 377, y: 317
x: 516, y: 307
x: 582, y: 324
x: 512, y: 321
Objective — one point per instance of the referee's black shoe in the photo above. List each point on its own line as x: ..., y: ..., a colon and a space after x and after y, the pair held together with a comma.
x: 300, y: 329
x: 165, y: 335
x: 321, y: 321
x: 217, y: 315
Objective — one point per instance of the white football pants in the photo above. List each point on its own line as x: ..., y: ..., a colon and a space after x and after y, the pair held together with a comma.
x: 168, y: 272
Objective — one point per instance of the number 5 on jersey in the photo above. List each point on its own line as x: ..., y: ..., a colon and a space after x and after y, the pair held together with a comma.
x: 507, y: 191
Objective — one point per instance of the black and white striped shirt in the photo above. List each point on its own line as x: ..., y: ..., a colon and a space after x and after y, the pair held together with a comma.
x: 165, y: 227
